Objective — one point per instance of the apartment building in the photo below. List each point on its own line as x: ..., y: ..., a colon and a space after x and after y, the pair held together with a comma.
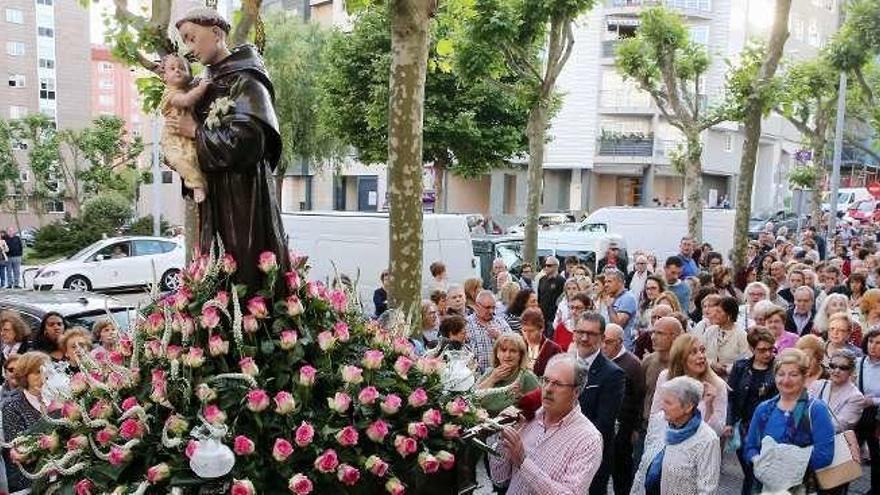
x: 611, y: 145
x: 46, y: 58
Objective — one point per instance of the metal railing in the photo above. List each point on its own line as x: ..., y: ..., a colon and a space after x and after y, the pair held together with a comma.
x: 626, y: 146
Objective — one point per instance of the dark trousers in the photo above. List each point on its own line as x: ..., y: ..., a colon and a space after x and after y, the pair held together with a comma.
x: 866, y: 431
x: 599, y: 486
x: 622, y: 465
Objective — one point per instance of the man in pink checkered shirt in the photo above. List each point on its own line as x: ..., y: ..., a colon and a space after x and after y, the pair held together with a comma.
x: 559, y: 451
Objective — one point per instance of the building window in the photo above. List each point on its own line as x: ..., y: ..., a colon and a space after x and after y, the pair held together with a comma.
x: 47, y: 63
x: 17, y: 112
x: 46, y: 32
x: 16, y: 202
x: 45, y: 2
x: 47, y: 88
x: 813, y: 36
x: 167, y: 177
x: 700, y: 34
x: 797, y: 28
x: 54, y: 206
x: 106, y: 67
x: 728, y: 142
x: 14, y: 16
x: 105, y: 100
x: 15, y: 48
x: 106, y: 84
x: 16, y: 81
x: 24, y: 176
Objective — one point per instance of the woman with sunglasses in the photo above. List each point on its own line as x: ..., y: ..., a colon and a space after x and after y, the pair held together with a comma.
x: 839, y: 392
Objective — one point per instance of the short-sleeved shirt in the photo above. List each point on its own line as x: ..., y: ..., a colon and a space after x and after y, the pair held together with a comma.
x: 479, y: 340
x: 626, y: 303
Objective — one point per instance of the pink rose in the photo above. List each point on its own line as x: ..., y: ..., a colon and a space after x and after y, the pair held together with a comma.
x: 352, y: 374
x: 257, y: 307
x: 129, y: 403
x: 418, y: 398
x: 191, y: 447
x: 403, y: 346
x: 284, y: 402
x: 250, y: 324
x: 391, y: 404
x: 48, y: 442
x: 326, y: 340
x: 205, y: 393
x: 249, y: 367
x: 172, y: 351
x: 338, y: 300
x: 155, y: 322
x: 368, y: 395
x: 105, y: 435
x: 427, y: 365
x: 300, y: 484
x: 257, y: 400
x: 418, y: 430
x: 153, y: 349
x: 116, y: 381
x: 377, y: 431
x: 348, y: 475
x: 294, y: 306
x: 176, y: 424
x: 327, y: 461
x: 288, y: 339
x: 242, y: 487
x: 457, y: 407
x: 131, y: 428
x: 228, y: 264
x: 267, y: 262
x: 118, y: 455
x: 347, y: 436
x: 405, y: 445
x: 340, y: 331
x: 339, y: 402
x: 194, y: 358
x: 373, y: 359
x: 78, y: 383
x: 447, y: 459
x: 298, y: 260
x: 84, y: 487
x: 222, y: 298
x: 281, y: 450
x: 100, y: 410
x: 293, y: 280
x: 402, y: 366
x: 432, y: 418
x: 116, y: 357
x: 394, y: 487
x: 76, y: 443
x: 304, y: 434
x: 451, y: 431
x: 307, y: 375
x: 210, y: 317
x: 428, y: 463
x: 217, y: 346
x: 315, y: 289
x: 243, y: 445
x: 376, y: 466
x: 158, y: 473
x: 214, y: 415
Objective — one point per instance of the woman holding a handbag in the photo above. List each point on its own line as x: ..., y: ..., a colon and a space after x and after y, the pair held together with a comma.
x: 868, y: 382
x: 841, y: 395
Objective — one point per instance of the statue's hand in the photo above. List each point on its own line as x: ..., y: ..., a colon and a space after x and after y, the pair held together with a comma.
x: 183, y: 125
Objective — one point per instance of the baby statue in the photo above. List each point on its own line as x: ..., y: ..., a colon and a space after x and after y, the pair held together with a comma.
x: 179, y: 97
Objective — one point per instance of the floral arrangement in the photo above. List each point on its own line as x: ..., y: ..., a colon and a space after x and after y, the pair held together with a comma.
x: 286, y: 389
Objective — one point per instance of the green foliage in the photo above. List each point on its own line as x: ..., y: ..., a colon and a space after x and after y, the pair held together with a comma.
x: 471, y: 123
x: 150, y: 88
x: 804, y: 176
x: 294, y: 55
x: 807, y: 83
x: 743, y: 90
x: 108, y: 213
x: 144, y: 226
x: 63, y: 238
x: 44, y: 157
x: 9, y: 168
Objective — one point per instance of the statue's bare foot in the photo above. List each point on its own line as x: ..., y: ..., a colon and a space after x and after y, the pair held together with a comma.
x: 198, y: 194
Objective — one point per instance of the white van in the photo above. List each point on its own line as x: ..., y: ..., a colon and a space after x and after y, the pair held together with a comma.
x: 845, y: 198
x: 356, y: 244
x: 660, y: 230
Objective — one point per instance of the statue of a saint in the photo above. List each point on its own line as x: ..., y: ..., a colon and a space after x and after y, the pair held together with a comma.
x: 238, y: 146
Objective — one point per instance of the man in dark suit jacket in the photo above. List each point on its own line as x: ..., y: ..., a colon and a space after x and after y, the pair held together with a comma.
x: 600, y: 401
x: 799, y: 319
x: 629, y: 419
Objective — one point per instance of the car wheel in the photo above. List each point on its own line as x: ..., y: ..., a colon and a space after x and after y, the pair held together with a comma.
x: 78, y: 282
x: 171, y: 280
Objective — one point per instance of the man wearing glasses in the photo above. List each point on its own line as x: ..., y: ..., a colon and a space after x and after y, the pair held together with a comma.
x: 600, y: 401
x: 559, y: 451
x: 484, y: 326
x: 549, y: 289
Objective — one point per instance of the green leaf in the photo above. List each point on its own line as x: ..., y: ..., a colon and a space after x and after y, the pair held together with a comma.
x: 445, y: 47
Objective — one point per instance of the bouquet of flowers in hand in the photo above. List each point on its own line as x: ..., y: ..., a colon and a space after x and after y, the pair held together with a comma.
x: 227, y: 389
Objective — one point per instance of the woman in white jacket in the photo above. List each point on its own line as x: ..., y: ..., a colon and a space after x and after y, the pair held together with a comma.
x: 682, y: 453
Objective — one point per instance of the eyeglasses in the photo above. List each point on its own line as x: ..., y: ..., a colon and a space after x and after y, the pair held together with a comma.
x: 554, y: 383
x: 841, y: 367
x: 582, y: 334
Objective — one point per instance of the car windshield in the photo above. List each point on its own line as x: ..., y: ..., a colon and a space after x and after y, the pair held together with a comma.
x: 866, y: 206
x: 511, y: 253
x: 122, y: 316
x: 82, y: 251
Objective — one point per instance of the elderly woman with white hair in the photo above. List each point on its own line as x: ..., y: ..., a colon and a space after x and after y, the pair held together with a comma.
x: 682, y: 453
x: 754, y: 293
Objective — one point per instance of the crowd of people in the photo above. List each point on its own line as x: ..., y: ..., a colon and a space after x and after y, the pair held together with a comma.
x: 23, y: 357
x: 645, y: 371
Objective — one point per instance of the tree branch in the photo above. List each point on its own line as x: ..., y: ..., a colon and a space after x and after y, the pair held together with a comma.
x: 250, y: 11
x: 567, y: 43
x: 127, y: 16
x: 858, y: 145
x: 860, y: 77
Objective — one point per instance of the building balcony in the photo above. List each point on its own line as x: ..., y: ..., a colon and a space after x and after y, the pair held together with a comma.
x: 700, y: 9
x: 609, y: 48
x: 625, y: 144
